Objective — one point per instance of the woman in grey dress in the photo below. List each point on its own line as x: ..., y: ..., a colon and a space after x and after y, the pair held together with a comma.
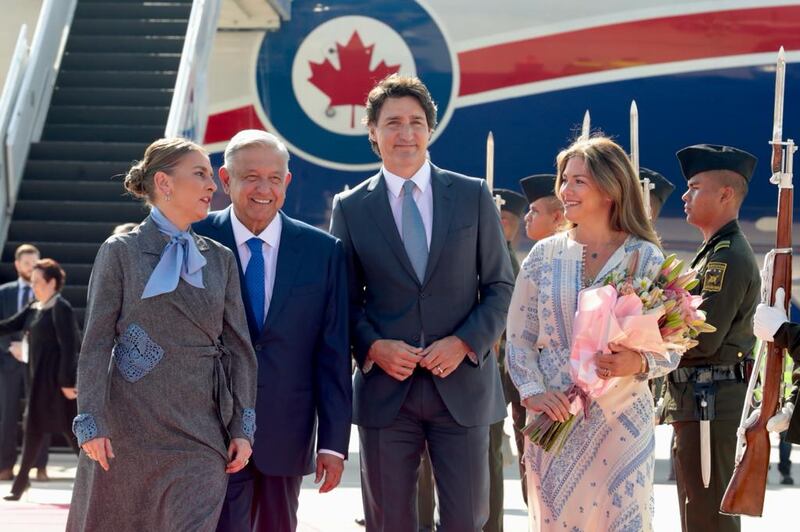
x: 166, y: 374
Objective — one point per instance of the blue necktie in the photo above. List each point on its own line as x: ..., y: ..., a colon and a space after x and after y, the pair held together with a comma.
x: 254, y: 279
x: 414, y: 239
x: 26, y: 296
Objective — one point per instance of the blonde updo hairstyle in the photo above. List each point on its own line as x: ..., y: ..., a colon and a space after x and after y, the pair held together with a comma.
x: 160, y: 156
x: 615, y: 177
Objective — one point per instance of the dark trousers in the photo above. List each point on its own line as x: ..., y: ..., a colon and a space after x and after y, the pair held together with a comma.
x: 699, y: 506
x: 13, y: 379
x: 390, y: 461
x: 32, y: 446
x: 785, y: 456
x: 518, y: 415
x: 260, y: 503
x: 495, y: 521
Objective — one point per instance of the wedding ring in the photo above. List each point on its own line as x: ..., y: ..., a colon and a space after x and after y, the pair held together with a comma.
x: 439, y: 369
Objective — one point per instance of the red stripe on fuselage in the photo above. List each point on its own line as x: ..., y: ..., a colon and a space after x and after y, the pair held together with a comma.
x: 222, y: 126
x: 643, y: 42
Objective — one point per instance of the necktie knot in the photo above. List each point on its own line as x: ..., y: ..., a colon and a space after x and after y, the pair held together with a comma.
x: 255, y: 245
x: 408, y: 187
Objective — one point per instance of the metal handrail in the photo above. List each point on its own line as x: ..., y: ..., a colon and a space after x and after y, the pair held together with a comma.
x: 32, y: 99
x: 189, y: 108
x: 8, y: 101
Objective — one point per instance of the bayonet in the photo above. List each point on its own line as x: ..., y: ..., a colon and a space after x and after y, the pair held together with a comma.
x: 586, y: 127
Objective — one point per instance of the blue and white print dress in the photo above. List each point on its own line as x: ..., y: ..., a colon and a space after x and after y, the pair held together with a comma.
x: 602, y: 480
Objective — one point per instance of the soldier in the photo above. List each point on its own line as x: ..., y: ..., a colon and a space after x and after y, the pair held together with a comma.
x: 546, y: 214
x: 662, y: 188
x: 712, y: 373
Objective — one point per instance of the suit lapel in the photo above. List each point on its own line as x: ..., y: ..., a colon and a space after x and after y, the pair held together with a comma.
x: 378, y: 206
x: 224, y: 234
x: 442, y: 214
x: 288, y: 263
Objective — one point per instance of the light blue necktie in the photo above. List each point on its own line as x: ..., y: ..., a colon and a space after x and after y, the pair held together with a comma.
x: 180, y: 259
x: 414, y: 239
x: 254, y: 279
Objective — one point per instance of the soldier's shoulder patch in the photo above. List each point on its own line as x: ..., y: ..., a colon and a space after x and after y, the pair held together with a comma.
x: 714, y: 276
x: 722, y: 245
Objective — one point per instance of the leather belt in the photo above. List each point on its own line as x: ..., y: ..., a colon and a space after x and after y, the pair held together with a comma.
x: 701, y: 374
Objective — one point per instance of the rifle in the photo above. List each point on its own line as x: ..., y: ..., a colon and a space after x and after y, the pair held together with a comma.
x: 746, y: 489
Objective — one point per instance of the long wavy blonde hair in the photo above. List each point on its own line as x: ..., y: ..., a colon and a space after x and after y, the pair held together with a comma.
x: 612, y: 171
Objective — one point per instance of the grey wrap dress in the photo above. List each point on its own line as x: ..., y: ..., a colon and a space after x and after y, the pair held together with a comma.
x: 169, y: 379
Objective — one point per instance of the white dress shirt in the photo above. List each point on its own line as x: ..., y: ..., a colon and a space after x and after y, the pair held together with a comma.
x: 271, y: 237
x: 423, y: 197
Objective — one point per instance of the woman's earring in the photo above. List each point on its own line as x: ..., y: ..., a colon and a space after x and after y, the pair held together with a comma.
x: 169, y: 196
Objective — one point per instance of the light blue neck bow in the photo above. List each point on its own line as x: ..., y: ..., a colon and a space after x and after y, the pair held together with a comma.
x: 180, y: 260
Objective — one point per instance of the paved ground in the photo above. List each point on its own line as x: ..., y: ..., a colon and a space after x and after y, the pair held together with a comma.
x: 45, y: 507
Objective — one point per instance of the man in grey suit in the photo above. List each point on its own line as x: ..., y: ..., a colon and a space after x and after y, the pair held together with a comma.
x: 430, y: 284
x: 14, y: 296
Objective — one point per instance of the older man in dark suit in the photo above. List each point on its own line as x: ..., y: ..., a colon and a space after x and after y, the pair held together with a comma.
x: 430, y: 283
x: 294, y: 287
x: 15, y: 296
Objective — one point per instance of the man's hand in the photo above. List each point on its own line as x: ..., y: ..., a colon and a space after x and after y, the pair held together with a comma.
x: 768, y: 319
x: 330, y: 467
x: 15, y: 348
x: 395, y: 357
x: 443, y: 356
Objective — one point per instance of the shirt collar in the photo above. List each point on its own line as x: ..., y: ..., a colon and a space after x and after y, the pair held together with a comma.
x: 271, y: 234
x: 23, y: 283
x: 395, y: 183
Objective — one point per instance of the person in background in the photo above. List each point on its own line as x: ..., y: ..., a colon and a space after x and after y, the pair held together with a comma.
x: 15, y: 296
x: 50, y: 347
x: 660, y: 191
x: 545, y: 212
x: 714, y: 370
x: 167, y: 374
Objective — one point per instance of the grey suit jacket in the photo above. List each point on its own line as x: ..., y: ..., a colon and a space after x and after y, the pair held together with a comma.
x: 466, y: 292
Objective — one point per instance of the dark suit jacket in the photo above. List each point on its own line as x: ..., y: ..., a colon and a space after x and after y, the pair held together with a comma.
x: 466, y: 293
x: 303, y: 349
x: 9, y: 293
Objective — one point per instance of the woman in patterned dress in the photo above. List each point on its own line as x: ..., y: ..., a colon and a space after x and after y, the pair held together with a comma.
x: 166, y: 374
x: 602, y: 479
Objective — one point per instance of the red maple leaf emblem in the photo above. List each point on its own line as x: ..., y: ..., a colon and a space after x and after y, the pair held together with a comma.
x: 352, y: 82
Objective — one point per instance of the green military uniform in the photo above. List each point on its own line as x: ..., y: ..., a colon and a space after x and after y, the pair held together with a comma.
x: 496, y: 495
x: 730, y: 286
x: 788, y: 337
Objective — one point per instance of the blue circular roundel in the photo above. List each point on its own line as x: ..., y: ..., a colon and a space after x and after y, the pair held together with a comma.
x: 313, y: 75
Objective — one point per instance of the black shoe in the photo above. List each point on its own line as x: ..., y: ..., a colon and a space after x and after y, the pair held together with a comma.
x: 17, y: 495
x: 786, y: 480
x: 360, y: 521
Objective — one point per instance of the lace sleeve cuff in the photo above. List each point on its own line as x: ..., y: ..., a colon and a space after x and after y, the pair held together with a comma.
x: 529, y: 389
x: 249, y: 423
x: 84, y: 427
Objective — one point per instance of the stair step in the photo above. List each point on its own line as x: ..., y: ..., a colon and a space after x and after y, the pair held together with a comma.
x: 115, y: 97
x: 117, y: 212
x: 103, y: 133
x: 88, y: 151
x: 76, y: 295
x: 117, y: 79
x: 111, y: 115
x: 102, y: 171
x: 110, y: 26
x: 126, y: 61
x: 72, y: 191
x: 27, y: 231
x: 77, y: 274
x: 130, y: 10
x: 125, y: 43
x: 61, y: 251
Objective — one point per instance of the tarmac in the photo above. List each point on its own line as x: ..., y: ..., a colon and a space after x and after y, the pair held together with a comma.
x: 44, y: 507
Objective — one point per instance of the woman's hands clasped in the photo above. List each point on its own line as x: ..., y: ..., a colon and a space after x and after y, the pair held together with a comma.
x: 555, y: 404
x: 99, y: 450
x: 239, y: 451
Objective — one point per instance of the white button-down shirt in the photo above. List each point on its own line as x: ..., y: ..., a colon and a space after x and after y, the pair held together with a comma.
x: 423, y: 197
x: 271, y: 237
